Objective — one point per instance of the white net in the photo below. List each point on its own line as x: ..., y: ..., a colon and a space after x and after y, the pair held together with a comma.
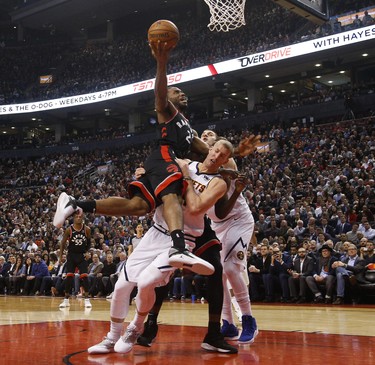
x: 226, y: 15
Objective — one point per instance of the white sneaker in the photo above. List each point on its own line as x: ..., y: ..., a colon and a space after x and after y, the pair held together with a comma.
x: 64, y: 304
x: 66, y: 206
x: 109, y: 296
x: 185, y: 259
x: 88, y: 303
x: 127, y: 341
x: 104, y: 347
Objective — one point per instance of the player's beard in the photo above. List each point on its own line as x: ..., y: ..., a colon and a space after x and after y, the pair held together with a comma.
x: 183, y: 107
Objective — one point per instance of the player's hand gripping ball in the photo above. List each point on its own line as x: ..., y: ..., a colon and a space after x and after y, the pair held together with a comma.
x: 164, y: 31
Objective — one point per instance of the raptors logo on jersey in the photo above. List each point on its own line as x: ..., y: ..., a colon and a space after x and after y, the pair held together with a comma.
x: 176, y: 133
x: 78, y: 240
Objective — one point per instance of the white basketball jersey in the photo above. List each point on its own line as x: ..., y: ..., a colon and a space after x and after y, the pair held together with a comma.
x: 240, y: 210
x: 194, y: 224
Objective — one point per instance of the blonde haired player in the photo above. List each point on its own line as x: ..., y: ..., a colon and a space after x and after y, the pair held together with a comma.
x: 148, y: 266
x: 233, y: 224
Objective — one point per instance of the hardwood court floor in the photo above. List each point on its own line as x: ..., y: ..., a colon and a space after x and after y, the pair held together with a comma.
x: 33, y: 330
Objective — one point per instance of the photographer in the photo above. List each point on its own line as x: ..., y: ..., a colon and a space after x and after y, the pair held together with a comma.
x: 278, y: 274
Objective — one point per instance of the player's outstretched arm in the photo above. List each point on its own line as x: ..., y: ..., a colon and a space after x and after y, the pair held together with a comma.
x: 247, y: 146
x: 225, y: 205
x: 162, y: 105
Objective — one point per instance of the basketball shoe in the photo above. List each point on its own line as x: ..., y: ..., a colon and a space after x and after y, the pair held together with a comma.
x: 127, y: 341
x: 229, y: 330
x: 149, y: 333
x: 216, y: 343
x: 65, y: 303
x: 186, y: 260
x: 249, y: 330
x: 66, y: 206
x: 104, y: 347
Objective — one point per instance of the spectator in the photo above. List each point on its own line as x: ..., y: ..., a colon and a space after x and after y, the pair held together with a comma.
x: 38, y: 271
x: 327, y: 229
x: 344, y: 250
x: 357, y: 23
x: 199, y: 287
x: 367, y: 19
x: 258, y: 271
x: 321, y: 238
x: 171, y: 287
x: 302, y: 267
x: 260, y: 227
x: 181, y: 282
x: 14, y: 278
x: 299, y: 230
x: 342, y: 226
x: 25, y: 287
x: 352, y: 235
x: 119, y: 267
x: 278, y: 275
x: 312, y: 249
x: 284, y: 228
x: 272, y: 231
x: 47, y: 280
x: 102, y: 285
x: 368, y: 254
x: 58, y: 284
x: 29, y: 245
x: 368, y: 231
x: 4, y: 273
x: 94, y: 269
x: 293, y: 253
x: 339, y: 244
x: 348, y: 267
x: 323, y: 275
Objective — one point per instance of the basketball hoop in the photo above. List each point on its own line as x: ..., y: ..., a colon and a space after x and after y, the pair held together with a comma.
x: 226, y: 15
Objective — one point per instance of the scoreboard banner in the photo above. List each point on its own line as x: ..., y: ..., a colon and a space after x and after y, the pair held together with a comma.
x: 252, y: 60
x: 299, y: 49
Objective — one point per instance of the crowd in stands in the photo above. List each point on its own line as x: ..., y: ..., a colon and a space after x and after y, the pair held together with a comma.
x: 314, y: 191
x: 102, y: 65
x: 319, y: 95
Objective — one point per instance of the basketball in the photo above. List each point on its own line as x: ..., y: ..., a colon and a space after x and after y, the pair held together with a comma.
x: 165, y: 31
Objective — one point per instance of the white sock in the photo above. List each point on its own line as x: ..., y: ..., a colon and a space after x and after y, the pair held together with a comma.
x: 235, y: 305
x: 139, y: 319
x: 227, y: 312
x: 115, y: 331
